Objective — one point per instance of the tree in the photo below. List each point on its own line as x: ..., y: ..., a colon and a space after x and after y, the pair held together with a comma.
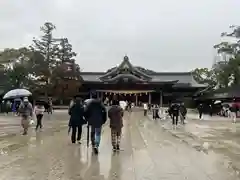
x: 17, y: 76
x: 232, y: 48
x: 205, y: 76
x: 47, y: 48
x: 66, y: 76
x: 228, y: 72
x: 16, y: 67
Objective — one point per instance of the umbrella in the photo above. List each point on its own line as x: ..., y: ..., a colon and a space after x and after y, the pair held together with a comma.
x: 217, y: 102
x: 16, y: 93
x: 226, y: 105
x: 87, y: 135
x: 86, y: 102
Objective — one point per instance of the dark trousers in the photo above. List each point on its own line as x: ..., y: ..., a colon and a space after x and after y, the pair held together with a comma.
x: 76, y: 130
x: 145, y: 112
x: 49, y: 110
x: 39, y: 121
x: 200, y: 115
x: 174, y: 119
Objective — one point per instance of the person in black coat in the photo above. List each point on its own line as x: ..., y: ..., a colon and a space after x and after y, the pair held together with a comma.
x: 200, y: 111
x: 96, y: 116
x: 76, y: 121
x: 175, y: 114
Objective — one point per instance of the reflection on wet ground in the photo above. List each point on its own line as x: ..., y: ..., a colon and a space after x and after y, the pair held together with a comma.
x: 220, y: 137
x: 148, y: 153
x: 225, y: 140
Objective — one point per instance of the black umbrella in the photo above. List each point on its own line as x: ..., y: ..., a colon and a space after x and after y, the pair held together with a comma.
x: 226, y: 105
x: 86, y: 102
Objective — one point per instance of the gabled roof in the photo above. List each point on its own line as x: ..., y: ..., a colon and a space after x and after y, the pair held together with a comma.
x: 179, y: 79
x: 125, y: 65
x: 125, y: 76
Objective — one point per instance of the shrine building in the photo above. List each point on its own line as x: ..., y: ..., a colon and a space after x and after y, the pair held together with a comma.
x: 137, y: 84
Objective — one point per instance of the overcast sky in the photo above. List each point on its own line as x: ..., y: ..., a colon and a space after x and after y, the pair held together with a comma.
x: 162, y: 35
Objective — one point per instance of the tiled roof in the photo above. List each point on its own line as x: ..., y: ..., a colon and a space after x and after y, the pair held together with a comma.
x: 181, y: 77
x: 92, y: 76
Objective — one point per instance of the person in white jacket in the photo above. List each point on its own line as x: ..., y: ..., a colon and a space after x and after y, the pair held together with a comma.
x: 39, y: 111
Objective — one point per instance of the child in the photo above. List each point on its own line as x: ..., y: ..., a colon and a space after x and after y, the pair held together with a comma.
x: 39, y: 111
x: 115, y: 115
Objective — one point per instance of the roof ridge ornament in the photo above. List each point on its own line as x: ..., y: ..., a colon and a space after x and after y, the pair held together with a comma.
x: 126, y: 58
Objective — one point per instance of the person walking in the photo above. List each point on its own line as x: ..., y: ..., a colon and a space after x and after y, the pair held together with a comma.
x: 96, y: 116
x: 76, y: 112
x: 183, y: 112
x: 175, y: 114
x: 25, y: 111
x: 39, y: 111
x: 155, y: 111
x: 145, y: 109
x: 200, y: 111
x: 233, y: 111
x: 50, y: 106
x: 115, y: 115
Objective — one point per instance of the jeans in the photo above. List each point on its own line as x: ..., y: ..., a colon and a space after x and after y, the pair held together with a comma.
x: 95, y: 136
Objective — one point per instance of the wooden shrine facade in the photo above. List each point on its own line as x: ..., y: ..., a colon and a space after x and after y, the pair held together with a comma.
x: 140, y: 85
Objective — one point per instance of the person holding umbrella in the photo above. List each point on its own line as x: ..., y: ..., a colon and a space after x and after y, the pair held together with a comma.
x: 25, y: 111
x: 96, y: 116
x: 76, y: 112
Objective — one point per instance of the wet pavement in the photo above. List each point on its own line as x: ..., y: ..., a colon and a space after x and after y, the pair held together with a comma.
x: 222, y: 137
x: 10, y: 124
x: 148, y: 153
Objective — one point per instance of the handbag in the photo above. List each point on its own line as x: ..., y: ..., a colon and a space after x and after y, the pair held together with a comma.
x: 32, y: 122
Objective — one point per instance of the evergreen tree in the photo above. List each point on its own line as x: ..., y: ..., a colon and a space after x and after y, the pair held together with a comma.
x: 47, y: 47
x: 66, y: 76
x: 16, y: 67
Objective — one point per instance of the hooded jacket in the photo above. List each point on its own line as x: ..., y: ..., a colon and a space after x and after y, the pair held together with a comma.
x: 95, y: 113
x: 115, y: 115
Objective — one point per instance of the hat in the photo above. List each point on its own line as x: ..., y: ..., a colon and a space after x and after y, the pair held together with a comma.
x: 25, y: 99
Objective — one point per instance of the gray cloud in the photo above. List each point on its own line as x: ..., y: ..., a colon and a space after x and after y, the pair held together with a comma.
x: 161, y: 35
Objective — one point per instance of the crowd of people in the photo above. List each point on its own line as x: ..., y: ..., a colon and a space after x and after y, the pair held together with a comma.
x: 94, y: 113
x: 228, y: 110
x: 23, y: 108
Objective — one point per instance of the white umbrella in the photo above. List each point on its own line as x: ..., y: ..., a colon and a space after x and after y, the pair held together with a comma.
x: 16, y: 93
x: 217, y: 102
